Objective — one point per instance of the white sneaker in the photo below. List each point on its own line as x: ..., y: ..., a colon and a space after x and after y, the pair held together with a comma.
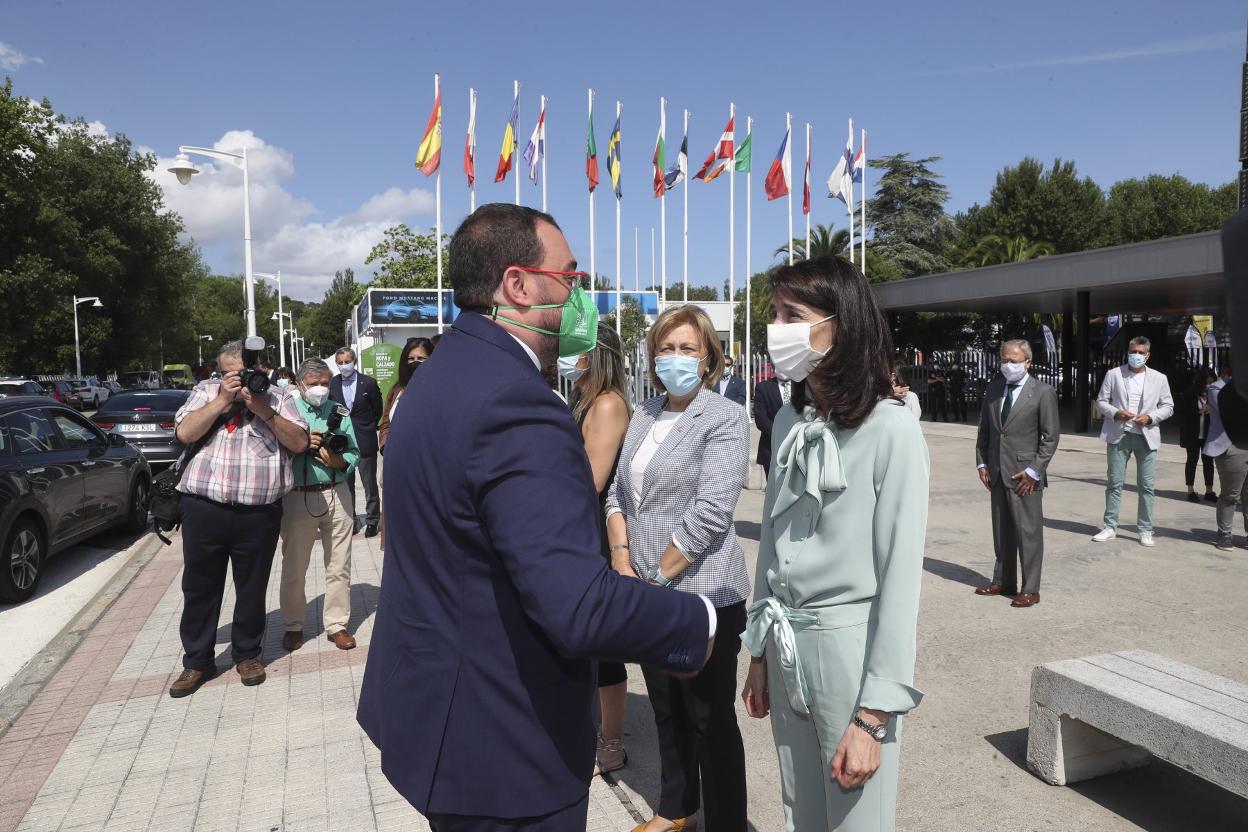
x: 1146, y: 539
x: 1104, y: 535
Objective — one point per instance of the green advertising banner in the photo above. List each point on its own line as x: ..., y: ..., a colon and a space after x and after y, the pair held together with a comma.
x: 381, y: 361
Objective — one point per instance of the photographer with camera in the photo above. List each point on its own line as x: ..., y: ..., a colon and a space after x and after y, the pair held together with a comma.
x: 319, y: 506
x: 241, y: 436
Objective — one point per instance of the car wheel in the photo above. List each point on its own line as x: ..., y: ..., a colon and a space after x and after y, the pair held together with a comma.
x: 95, y: 403
x: 136, y: 518
x: 21, y: 562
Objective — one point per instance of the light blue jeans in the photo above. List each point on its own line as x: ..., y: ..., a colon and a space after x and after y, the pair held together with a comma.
x: 1116, y: 475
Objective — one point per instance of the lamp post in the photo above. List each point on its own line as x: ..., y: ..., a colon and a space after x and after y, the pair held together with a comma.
x: 77, y: 351
x: 284, y: 327
x: 199, y: 346
x: 281, y: 345
x: 184, y: 170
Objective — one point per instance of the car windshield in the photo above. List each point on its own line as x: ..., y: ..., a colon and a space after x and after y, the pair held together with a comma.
x: 9, y: 388
x: 161, y: 402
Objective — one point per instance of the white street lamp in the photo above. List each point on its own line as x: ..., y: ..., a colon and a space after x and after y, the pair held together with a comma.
x: 184, y: 170
x: 199, y: 345
x: 77, y: 351
x: 281, y: 345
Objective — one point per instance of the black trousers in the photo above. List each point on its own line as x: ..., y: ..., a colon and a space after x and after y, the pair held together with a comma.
x: 699, y: 742
x: 215, y: 536
x: 1189, y: 470
x: 367, y: 469
x: 957, y: 399
x: 939, y: 403
x: 574, y: 817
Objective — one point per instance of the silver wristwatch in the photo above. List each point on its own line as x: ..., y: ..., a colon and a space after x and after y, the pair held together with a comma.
x: 877, y: 732
x: 656, y: 577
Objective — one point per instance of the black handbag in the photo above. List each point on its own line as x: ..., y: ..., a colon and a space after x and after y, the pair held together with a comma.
x: 166, y: 498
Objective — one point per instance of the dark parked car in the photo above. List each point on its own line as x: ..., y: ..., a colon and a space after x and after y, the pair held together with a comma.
x: 62, y: 480
x: 64, y: 393
x: 145, y: 419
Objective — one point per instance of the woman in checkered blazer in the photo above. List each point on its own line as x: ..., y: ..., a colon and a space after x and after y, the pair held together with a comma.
x: 669, y: 521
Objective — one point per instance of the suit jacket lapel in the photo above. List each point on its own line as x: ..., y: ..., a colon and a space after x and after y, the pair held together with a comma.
x: 995, y: 403
x: 1023, y: 398
x: 679, y: 431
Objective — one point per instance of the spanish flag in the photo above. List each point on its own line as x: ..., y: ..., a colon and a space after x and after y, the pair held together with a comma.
x: 509, y: 142
x: 430, y: 153
x: 613, y: 158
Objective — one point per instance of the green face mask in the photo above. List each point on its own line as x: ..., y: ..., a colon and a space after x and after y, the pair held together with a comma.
x: 578, y: 330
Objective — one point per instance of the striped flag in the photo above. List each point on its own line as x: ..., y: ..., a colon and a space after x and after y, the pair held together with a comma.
x: 429, y: 156
x: 537, y: 145
x: 509, y: 143
x: 723, y: 150
x: 745, y: 154
x: 679, y: 172
x: 806, y: 176
x: 860, y: 162
x: 591, y: 155
x: 470, y: 143
x: 613, y: 158
x: 780, y: 172
x: 660, y: 165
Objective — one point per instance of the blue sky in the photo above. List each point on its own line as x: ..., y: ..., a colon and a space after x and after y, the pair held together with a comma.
x: 332, y: 99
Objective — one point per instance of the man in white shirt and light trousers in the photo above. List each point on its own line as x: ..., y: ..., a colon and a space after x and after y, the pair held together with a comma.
x: 1134, y: 400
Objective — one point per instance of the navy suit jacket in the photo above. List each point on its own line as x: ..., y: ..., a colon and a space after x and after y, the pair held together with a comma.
x: 735, y: 392
x: 767, y: 403
x: 495, y: 598
x: 366, y: 410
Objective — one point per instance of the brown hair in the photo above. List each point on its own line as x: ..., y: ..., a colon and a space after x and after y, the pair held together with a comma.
x: 605, y: 374
x: 695, y: 317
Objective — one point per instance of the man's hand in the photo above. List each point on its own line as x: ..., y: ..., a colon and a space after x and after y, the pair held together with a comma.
x: 858, y: 754
x: 258, y: 403
x: 1026, y: 484
x: 316, y: 440
x: 1124, y: 416
x: 755, y: 696
x: 985, y: 477
x: 228, y: 390
x: 330, y: 459
x: 1143, y: 420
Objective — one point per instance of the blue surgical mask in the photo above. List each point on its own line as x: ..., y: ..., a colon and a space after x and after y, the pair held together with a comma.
x: 347, y: 370
x: 283, y: 382
x: 679, y: 373
x: 1136, y: 360
x: 568, y: 368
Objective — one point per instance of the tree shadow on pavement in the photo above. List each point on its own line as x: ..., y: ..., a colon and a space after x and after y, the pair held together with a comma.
x: 1157, y: 798
x: 955, y: 572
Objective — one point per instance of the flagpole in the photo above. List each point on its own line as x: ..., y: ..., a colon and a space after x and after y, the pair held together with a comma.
x: 541, y: 146
x: 619, y: 277
x: 593, y: 254
x: 652, y: 274
x: 437, y: 201
x: 472, y: 123
x: 636, y: 259
x: 732, y: 229
x: 685, y: 233
x: 517, y: 143
x: 850, y: 203
x: 749, y: 270
x: 663, y: 207
x: 805, y: 185
x: 788, y: 132
x: 864, y: 203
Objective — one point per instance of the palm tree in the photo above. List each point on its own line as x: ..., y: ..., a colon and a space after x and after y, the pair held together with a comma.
x: 995, y: 249
x: 823, y: 240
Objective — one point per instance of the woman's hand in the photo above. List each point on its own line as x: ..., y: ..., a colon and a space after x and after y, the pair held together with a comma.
x: 620, y: 563
x: 858, y: 756
x: 756, y: 698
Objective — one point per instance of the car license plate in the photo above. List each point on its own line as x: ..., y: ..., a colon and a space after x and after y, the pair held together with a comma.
x: 137, y: 429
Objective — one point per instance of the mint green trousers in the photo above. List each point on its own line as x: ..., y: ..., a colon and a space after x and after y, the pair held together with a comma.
x: 1116, y: 475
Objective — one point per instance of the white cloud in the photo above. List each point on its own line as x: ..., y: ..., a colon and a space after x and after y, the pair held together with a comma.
x: 1200, y: 43
x: 11, y: 58
x: 287, y: 232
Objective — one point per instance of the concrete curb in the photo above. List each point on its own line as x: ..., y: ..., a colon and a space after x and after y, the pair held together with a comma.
x: 19, y: 693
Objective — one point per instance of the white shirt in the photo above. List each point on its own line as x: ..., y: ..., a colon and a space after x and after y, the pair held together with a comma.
x: 348, y: 389
x: 649, y: 446
x: 1135, y: 398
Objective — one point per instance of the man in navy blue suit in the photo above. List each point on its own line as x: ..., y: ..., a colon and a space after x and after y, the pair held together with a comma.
x: 495, y: 597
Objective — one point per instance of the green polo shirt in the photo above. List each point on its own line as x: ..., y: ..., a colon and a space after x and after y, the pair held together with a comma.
x: 308, y: 469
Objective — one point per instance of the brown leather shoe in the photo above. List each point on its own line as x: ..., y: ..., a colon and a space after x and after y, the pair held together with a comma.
x: 188, y: 682
x: 995, y: 589
x: 1026, y: 599
x: 342, y: 640
x: 292, y: 641
x: 251, y: 671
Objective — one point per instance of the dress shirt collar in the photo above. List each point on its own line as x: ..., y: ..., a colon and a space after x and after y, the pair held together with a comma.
x: 532, y: 355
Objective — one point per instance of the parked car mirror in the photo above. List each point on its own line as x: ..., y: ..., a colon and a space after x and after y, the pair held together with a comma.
x: 116, y: 440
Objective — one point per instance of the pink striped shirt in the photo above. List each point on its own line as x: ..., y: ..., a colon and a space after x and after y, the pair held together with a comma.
x: 246, y: 464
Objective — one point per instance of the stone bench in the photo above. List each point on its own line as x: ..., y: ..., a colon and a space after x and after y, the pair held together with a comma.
x: 1103, y: 714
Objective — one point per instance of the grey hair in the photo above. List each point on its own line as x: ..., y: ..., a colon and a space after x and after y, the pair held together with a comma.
x: 1141, y: 341
x: 312, y: 365
x: 231, y: 348
x: 344, y: 351
x: 1022, y: 343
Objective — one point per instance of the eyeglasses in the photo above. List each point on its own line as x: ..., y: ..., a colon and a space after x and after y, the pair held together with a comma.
x: 572, y: 280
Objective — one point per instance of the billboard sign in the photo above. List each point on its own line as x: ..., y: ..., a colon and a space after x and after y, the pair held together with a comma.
x: 409, y: 307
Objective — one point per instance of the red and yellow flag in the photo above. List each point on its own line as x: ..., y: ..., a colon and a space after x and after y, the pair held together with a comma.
x: 429, y: 156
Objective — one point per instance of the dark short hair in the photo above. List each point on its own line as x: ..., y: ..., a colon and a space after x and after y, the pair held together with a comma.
x: 405, y: 369
x: 493, y: 237
x: 854, y: 377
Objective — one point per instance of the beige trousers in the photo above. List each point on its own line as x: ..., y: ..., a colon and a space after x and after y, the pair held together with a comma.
x: 307, y: 515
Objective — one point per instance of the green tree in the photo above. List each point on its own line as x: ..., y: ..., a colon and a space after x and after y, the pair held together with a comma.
x: 325, y: 325
x: 632, y: 325
x: 702, y: 293
x: 911, y: 230
x: 406, y: 260
x: 1166, y: 206
x: 994, y: 249
x: 823, y: 240
x: 1054, y: 205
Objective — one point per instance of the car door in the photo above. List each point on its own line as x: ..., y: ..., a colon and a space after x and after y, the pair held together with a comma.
x: 104, y: 475
x: 54, y: 477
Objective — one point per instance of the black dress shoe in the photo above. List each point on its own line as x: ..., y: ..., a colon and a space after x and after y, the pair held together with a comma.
x: 1193, y: 497
x: 1211, y: 497
x: 370, y: 531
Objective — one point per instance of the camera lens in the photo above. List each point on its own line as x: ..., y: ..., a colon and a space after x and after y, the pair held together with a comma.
x: 257, y: 382
x: 336, y: 442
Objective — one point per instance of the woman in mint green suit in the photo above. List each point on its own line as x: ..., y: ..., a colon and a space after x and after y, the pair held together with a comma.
x: 836, y: 595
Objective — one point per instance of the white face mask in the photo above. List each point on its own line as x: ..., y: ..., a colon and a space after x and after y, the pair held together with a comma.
x: 316, y: 396
x: 347, y: 369
x: 791, y: 353
x: 568, y: 368
x: 1013, y: 371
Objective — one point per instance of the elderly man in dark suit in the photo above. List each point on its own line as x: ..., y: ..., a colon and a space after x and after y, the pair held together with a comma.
x: 1018, y: 433
x: 495, y: 598
x: 769, y: 397
x: 361, y: 395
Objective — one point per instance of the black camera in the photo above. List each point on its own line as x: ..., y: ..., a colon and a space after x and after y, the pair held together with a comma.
x: 253, y: 378
x: 335, y: 440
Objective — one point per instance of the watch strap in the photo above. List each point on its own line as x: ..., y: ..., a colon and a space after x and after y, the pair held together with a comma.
x: 877, y: 732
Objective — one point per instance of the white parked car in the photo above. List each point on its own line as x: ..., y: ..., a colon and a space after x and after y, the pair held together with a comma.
x: 92, y: 391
